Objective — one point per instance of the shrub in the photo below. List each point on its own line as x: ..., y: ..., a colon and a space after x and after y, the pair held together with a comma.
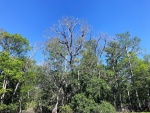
x: 104, y: 107
x: 66, y: 109
x: 81, y: 104
x: 8, y: 108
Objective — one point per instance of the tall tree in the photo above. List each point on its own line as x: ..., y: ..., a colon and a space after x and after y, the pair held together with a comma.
x: 65, y: 44
x: 11, y: 75
x: 69, y: 34
x: 14, y: 44
x: 120, y: 59
x: 130, y: 46
x: 16, y: 70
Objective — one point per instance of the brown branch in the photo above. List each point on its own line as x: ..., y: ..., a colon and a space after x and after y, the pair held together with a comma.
x: 103, y: 48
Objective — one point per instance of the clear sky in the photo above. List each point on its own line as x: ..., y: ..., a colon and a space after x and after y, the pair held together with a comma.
x: 31, y: 17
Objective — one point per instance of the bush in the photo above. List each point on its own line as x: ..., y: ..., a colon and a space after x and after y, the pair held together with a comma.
x: 8, y: 108
x: 3, y: 107
x: 81, y: 104
x: 104, y: 107
x: 66, y: 109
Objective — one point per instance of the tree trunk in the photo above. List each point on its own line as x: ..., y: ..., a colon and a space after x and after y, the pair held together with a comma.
x: 4, y: 88
x: 132, y: 79
x: 16, y: 88
x: 78, y: 79
x: 55, y: 108
x: 129, y: 99
x: 99, y: 74
x: 138, y: 100
x: 114, y: 99
x: 20, y: 106
x: 120, y: 99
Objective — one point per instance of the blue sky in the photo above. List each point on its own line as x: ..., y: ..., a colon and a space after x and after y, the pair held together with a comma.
x: 31, y: 18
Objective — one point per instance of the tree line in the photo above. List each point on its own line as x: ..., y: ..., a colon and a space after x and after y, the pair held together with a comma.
x: 81, y: 72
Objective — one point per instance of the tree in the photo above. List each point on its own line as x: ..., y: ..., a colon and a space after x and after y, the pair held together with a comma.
x: 63, y: 47
x: 75, y: 76
x: 67, y: 52
x: 14, y: 44
x: 121, y: 61
x: 16, y: 71
x: 114, y: 57
x: 11, y: 75
x: 142, y: 81
x: 130, y: 46
x: 69, y: 34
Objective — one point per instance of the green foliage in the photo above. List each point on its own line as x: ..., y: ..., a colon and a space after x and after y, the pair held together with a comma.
x: 16, y: 75
x: 3, y: 107
x: 81, y: 104
x: 14, y: 44
x: 97, y: 88
x: 81, y: 78
x: 10, y: 108
x: 75, y: 73
x: 104, y: 107
x: 66, y: 109
x: 11, y: 67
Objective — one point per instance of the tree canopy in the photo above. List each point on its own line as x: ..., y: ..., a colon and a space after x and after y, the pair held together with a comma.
x: 81, y: 73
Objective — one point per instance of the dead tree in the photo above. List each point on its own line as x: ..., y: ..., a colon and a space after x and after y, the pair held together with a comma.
x: 69, y: 34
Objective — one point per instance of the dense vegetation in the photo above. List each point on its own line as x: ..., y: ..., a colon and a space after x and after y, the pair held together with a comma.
x: 81, y: 73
